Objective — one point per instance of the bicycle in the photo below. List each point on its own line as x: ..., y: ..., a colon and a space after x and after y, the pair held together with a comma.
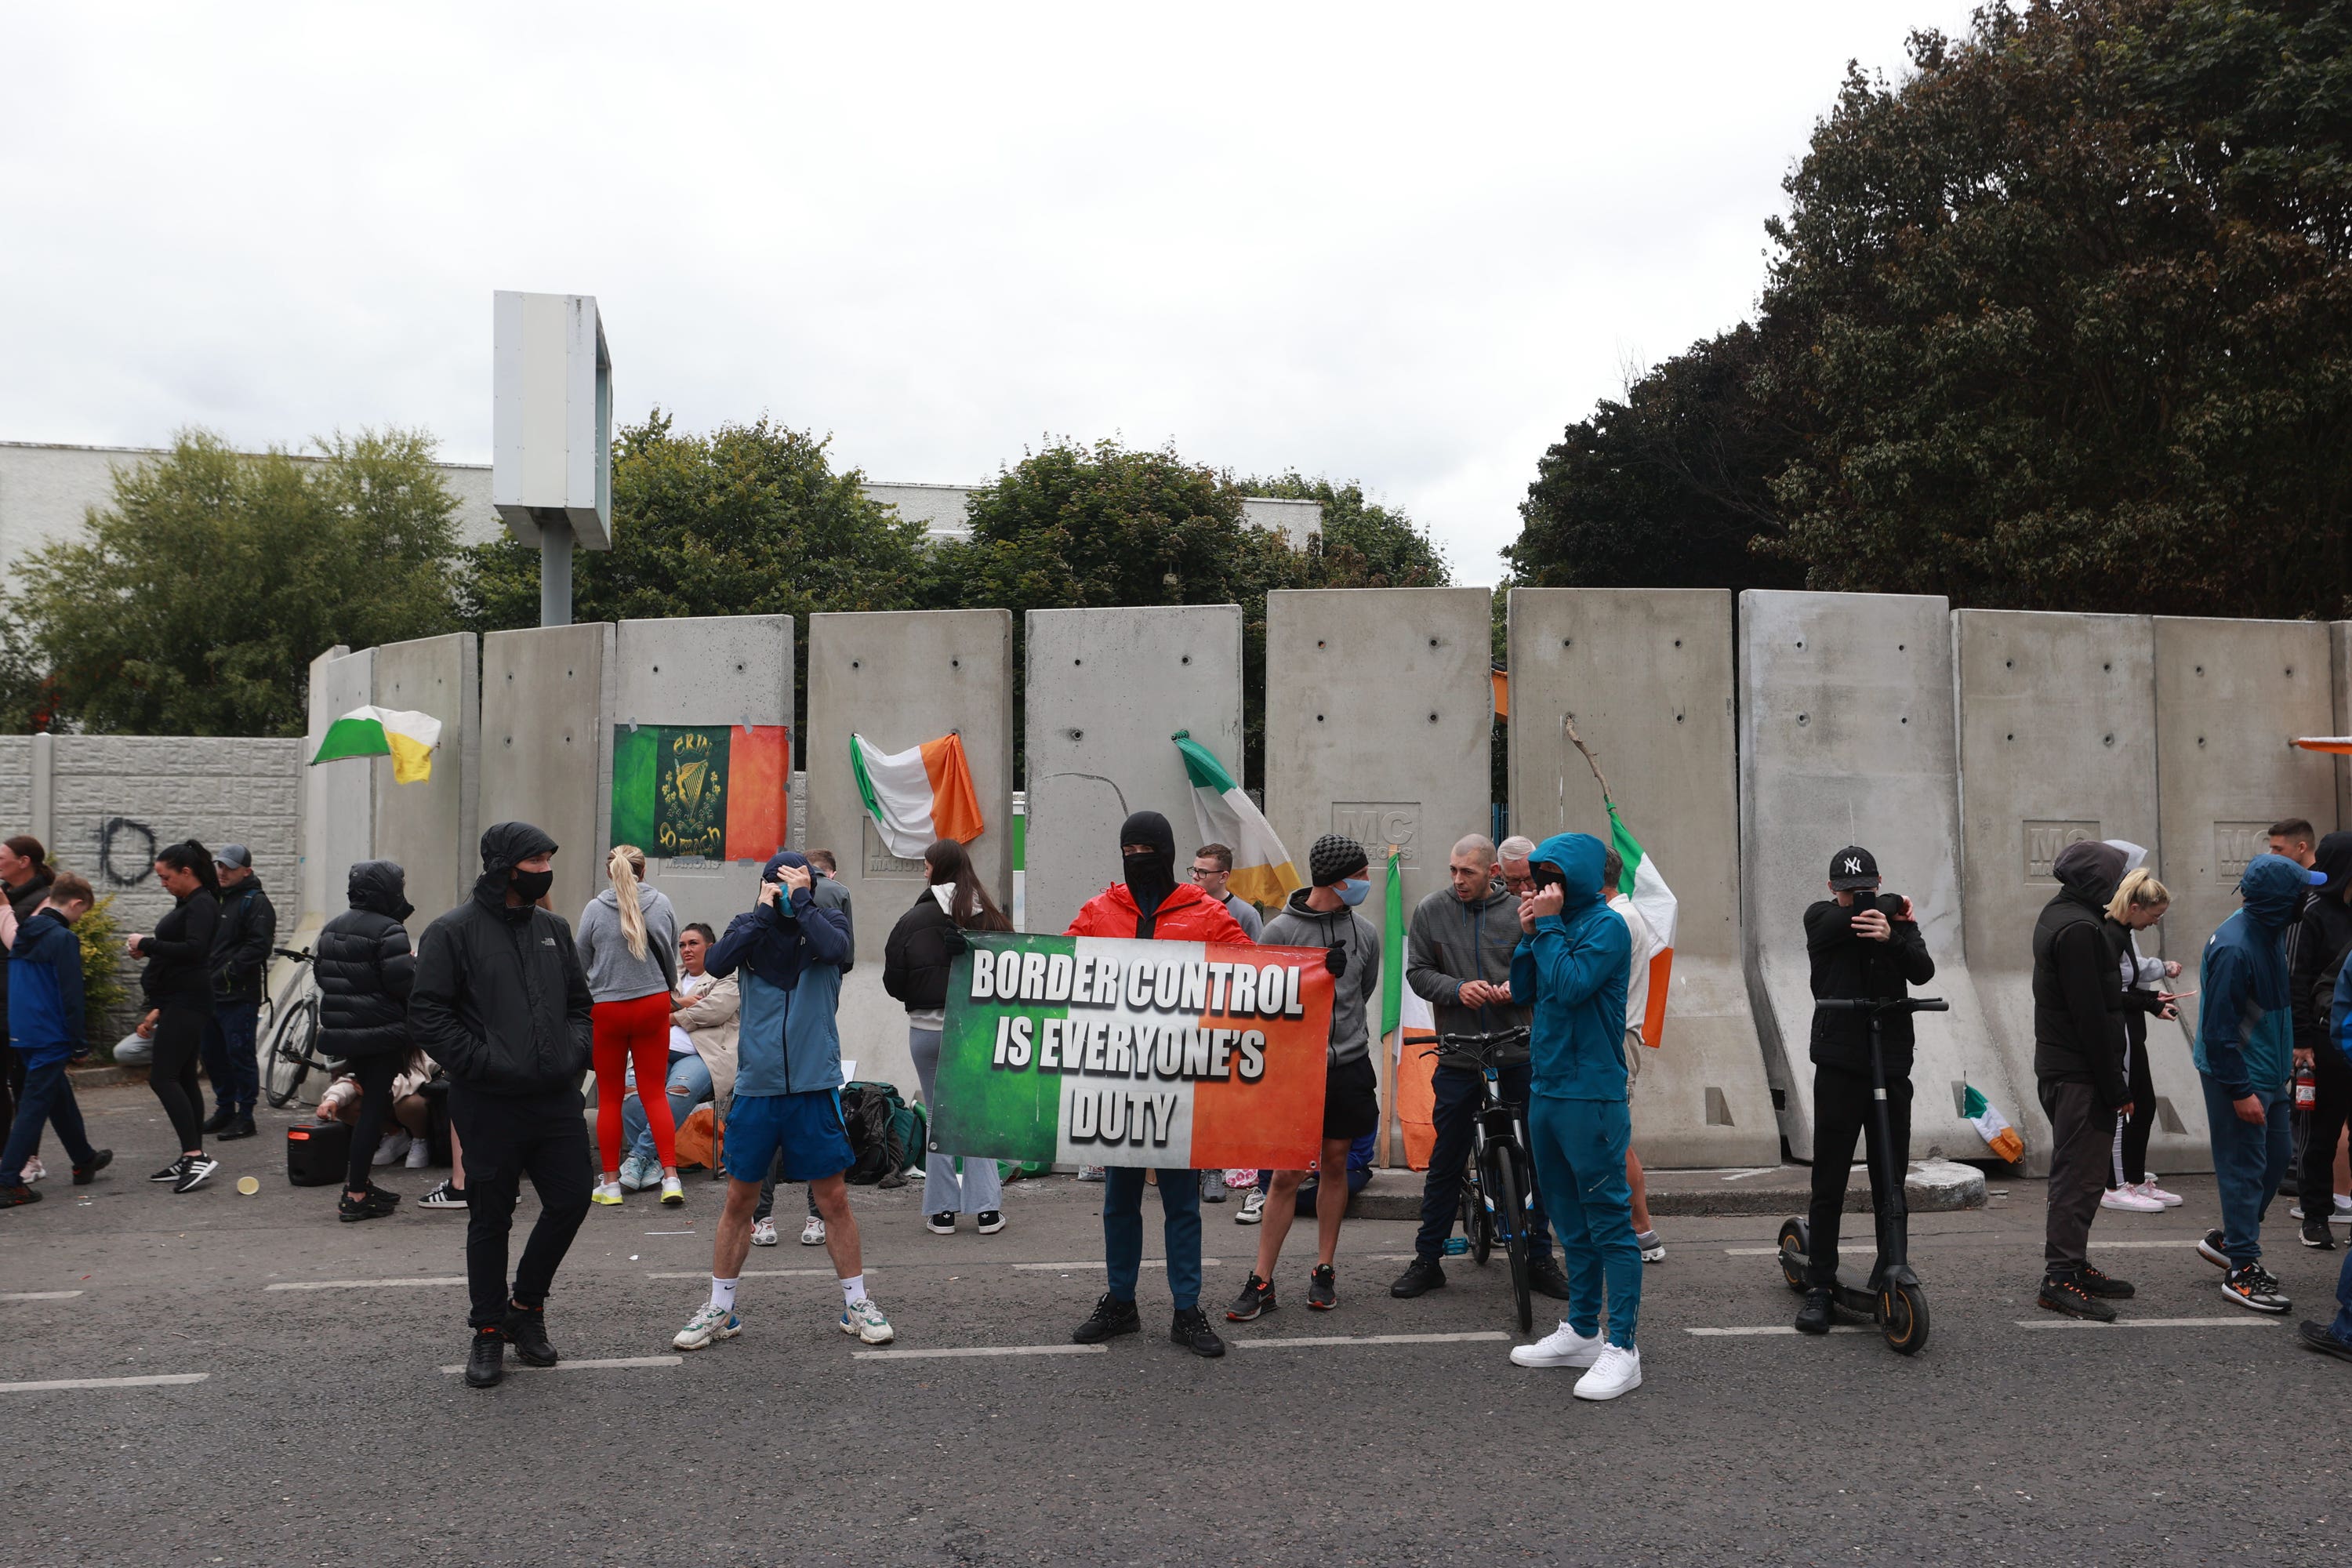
x: 292, y: 1051
x: 1498, y: 1188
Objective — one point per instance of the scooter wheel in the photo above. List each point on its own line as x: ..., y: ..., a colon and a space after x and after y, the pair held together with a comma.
x: 1795, y: 1246
x: 1903, y: 1318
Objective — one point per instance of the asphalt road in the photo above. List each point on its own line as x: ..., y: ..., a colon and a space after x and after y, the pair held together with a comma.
x: 323, y: 1431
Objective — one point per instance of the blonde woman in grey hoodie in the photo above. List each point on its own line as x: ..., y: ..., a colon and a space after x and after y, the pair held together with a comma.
x: 628, y: 944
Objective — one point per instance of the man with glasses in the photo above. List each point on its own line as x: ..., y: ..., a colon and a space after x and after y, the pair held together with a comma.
x: 1213, y: 864
x: 1511, y: 868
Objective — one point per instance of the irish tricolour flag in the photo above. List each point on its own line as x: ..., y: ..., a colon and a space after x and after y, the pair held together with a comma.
x: 1262, y: 869
x: 1642, y: 883
x: 1097, y: 1051
x: 918, y: 795
x: 409, y: 739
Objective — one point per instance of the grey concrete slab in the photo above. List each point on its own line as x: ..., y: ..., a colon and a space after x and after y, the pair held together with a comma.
x: 2339, y: 648
x: 339, y: 798
x: 1105, y: 690
x: 1647, y: 676
x: 547, y: 751
x: 2057, y: 744
x: 1380, y: 707
x: 901, y: 679
x: 2230, y: 697
x: 705, y: 669
x: 430, y: 828
x: 1847, y: 737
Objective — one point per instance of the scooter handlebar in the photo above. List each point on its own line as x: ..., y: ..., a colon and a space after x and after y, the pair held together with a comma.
x: 1874, y: 1006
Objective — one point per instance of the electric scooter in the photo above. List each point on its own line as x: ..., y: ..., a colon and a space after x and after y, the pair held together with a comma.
x: 1890, y: 1295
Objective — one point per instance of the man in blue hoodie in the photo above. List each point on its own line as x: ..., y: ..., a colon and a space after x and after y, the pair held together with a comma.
x: 788, y: 950
x: 45, y: 1024
x: 1572, y: 968
x: 2244, y: 1052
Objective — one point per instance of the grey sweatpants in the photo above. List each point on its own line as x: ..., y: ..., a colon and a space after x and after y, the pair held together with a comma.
x: 981, y: 1189
x: 2082, y: 1142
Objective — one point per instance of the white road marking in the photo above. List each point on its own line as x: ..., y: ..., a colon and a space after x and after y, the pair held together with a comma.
x: 2151, y: 1323
x: 2140, y: 1245
x: 364, y: 1284
x: 1776, y: 1328
x: 588, y: 1365
x: 1097, y: 1263
x: 39, y: 1295
x: 670, y: 1233
x: 766, y: 1273
x: 169, y: 1377
x: 1758, y: 1170
x: 1752, y: 1252
x: 978, y: 1351
x: 1371, y: 1340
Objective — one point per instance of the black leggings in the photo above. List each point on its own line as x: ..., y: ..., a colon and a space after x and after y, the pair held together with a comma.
x: 179, y: 1043
x: 2332, y: 1077
x: 2130, y: 1162
x: 375, y: 1075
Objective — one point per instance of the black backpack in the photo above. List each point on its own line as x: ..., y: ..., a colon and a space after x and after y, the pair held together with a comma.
x: 873, y: 1115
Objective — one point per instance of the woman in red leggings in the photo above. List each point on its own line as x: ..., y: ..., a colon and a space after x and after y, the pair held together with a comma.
x: 628, y: 944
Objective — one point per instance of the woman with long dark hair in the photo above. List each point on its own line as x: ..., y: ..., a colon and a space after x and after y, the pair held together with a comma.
x: 179, y: 987
x: 914, y: 970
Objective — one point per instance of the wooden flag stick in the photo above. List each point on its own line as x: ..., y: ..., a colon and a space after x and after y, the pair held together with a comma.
x: 1567, y: 727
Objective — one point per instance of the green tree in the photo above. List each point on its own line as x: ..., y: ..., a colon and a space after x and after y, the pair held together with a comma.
x: 1361, y: 543
x: 194, y: 605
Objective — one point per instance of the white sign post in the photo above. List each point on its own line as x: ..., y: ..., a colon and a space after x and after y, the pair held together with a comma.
x: 551, y: 432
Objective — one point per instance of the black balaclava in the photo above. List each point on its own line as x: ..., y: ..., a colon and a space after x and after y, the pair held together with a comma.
x: 1150, y: 876
x: 504, y: 845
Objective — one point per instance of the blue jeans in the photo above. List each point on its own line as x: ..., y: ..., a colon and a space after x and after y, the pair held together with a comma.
x: 2342, y: 1327
x: 1180, y: 1210
x: 2249, y: 1163
x: 1459, y: 1092
x: 1580, y: 1149
x: 689, y: 1086
x: 49, y: 1098
x: 228, y: 1055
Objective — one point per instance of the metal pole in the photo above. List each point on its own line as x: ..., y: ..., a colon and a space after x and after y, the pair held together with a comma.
x: 554, y: 573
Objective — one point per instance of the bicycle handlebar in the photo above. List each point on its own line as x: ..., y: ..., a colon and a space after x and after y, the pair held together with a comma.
x: 1876, y: 1005
x: 1495, y: 1038
x: 299, y: 954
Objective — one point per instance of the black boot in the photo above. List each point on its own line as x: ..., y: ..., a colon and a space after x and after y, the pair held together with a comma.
x: 239, y: 1126
x: 1111, y: 1316
x: 219, y: 1120
x: 1420, y: 1276
x: 1545, y: 1278
x: 486, y: 1363
x: 1814, y: 1317
x: 526, y: 1329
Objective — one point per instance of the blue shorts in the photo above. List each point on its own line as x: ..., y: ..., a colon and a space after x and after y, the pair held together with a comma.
x: 806, y: 1127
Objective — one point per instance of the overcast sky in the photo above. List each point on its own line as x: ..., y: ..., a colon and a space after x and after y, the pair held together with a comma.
x: 1401, y: 246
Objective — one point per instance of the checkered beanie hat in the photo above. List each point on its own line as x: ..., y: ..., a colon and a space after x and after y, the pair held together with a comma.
x: 1335, y: 857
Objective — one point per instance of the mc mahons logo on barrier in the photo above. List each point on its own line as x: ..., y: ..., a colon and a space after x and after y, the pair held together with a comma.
x: 2234, y: 844
x: 1377, y: 824
x: 2043, y: 840
x: 881, y: 864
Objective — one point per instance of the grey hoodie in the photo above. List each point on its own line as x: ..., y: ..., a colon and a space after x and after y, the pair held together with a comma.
x: 615, y: 973
x: 1449, y: 943
x: 1298, y: 926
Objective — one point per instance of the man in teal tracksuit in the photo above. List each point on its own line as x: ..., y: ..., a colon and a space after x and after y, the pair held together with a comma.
x: 1571, y: 967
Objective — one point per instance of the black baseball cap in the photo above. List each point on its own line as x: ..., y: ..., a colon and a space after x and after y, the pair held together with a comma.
x: 1852, y: 867
x: 233, y: 856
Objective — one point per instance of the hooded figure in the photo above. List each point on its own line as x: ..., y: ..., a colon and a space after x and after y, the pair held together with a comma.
x: 1150, y: 903
x: 2245, y: 1039
x: 1573, y: 971
x: 1151, y: 873
x: 364, y: 967
x: 2322, y: 937
x: 2078, y: 1000
x: 788, y: 952
x: 505, y: 845
x: 501, y: 1000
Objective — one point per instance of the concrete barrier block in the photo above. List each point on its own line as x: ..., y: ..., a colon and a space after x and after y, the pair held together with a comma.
x: 339, y: 798
x: 430, y: 828
x: 1847, y: 737
x: 2057, y: 745
x: 1104, y: 691
x: 900, y: 679
x: 547, y: 757
x: 2340, y: 648
x: 704, y: 670
x: 1647, y: 676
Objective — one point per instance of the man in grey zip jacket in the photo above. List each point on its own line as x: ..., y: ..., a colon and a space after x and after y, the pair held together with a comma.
x: 1458, y: 958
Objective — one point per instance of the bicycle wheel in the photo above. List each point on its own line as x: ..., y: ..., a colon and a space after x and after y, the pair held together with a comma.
x: 1508, y: 1182
x: 289, y: 1061
x: 1478, y: 1219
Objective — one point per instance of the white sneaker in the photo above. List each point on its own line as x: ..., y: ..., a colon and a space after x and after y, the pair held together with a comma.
x: 635, y: 1177
x: 1618, y: 1370
x: 1653, y: 1249
x: 813, y: 1232
x: 710, y: 1322
x: 420, y: 1155
x: 865, y: 1319
x: 2131, y: 1198
x: 1562, y: 1347
x: 2343, y: 1203
x: 34, y: 1170
x: 393, y: 1146
x: 605, y: 1193
x: 2169, y: 1200
x: 673, y: 1192
x: 763, y: 1233
x: 1253, y: 1209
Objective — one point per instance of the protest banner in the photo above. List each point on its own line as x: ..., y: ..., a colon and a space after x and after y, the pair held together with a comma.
x: 1092, y: 1051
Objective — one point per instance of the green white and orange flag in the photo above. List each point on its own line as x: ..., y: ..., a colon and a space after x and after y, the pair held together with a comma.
x: 1092, y: 1050
x: 716, y: 792
x: 1641, y: 882
x: 409, y: 739
x: 917, y: 796
x: 1262, y: 869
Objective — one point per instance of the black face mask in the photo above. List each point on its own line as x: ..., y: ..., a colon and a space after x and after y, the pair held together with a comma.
x: 530, y: 886
x: 1150, y: 877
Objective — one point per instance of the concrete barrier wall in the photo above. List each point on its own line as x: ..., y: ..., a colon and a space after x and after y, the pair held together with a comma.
x: 900, y: 679
x: 430, y: 828
x: 2340, y: 648
x: 1847, y: 736
x: 16, y: 787
x: 705, y: 670
x: 2057, y: 745
x: 1378, y: 724
x: 547, y: 755
x: 337, y: 798
x: 1105, y: 690
x: 1647, y: 676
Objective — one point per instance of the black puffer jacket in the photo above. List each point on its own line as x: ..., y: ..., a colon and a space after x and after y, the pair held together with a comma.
x: 2079, y: 1032
x: 241, y: 944
x: 364, y: 967
x: 501, y: 1000
x: 915, y: 957
x: 180, y: 955
x: 2319, y: 944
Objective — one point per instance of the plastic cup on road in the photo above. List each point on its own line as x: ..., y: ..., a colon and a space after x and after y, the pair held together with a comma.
x: 248, y: 1186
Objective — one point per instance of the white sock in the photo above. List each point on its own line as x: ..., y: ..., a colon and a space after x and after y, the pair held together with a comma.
x: 853, y: 1290
x: 722, y: 1292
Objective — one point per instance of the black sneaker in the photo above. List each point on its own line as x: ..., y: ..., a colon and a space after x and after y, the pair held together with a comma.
x: 219, y: 1120
x: 1421, y: 1276
x: 240, y: 1126
x: 942, y: 1222
x: 2316, y: 1236
x: 444, y: 1196
x: 1255, y: 1299
x: 194, y: 1171
x: 1323, y: 1288
x: 486, y: 1363
x: 2209, y: 1248
x: 99, y: 1159
x: 1190, y: 1329
x: 170, y: 1172
x: 22, y: 1193
x: 2319, y: 1337
x: 1545, y: 1279
x: 1110, y: 1318
x: 2069, y: 1297
x: 382, y: 1199
x: 1818, y: 1313
x: 352, y: 1210
x: 2102, y: 1285
x: 2254, y: 1288
x: 988, y: 1222
x: 525, y: 1327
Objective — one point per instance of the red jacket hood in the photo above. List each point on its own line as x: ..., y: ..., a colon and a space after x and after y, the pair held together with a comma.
x: 1188, y: 915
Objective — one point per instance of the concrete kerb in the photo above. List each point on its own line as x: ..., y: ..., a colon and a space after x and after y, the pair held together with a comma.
x: 547, y: 755
x: 1847, y: 733
x: 1929, y: 1186
x: 1647, y: 676
x: 1106, y: 688
x: 430, y: 828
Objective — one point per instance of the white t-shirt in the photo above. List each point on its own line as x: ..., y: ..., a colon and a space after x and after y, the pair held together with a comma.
x: 1646, y: 948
